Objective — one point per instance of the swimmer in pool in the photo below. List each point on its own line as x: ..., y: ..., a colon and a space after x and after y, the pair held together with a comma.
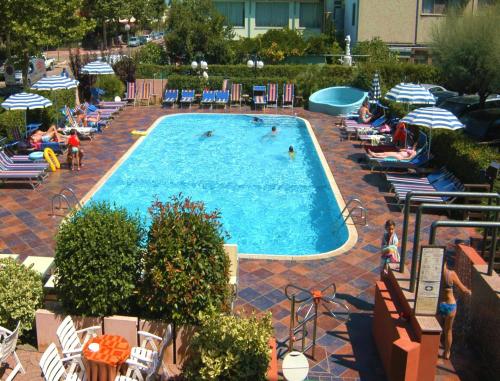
x: 208, y: 133
x: 257, y: 120
x: 274, y: 131
x: 291, y: 152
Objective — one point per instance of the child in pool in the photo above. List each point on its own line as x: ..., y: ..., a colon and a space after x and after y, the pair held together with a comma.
x: 291, y: 152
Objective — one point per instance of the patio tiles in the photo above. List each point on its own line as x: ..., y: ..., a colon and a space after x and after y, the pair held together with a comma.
x: 348, y: 352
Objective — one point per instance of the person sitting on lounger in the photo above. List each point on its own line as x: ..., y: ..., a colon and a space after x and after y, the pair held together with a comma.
x: 365, y: 116
x: 83, y: 119
x: 51, y: 135
x: 404, y: 154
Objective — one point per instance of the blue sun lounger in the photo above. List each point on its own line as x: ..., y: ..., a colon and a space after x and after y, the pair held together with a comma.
x: 221, y: 98
x: 170, y: 97
x: 187, y: 97
x: 208, y: 98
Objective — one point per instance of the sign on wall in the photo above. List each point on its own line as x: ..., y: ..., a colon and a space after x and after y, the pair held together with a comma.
x: 429, y: 280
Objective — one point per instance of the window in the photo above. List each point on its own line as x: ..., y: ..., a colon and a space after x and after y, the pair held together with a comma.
x: 310, y: 15
x: 234, y: 12
x: 353, y: 14
x: 437, y: 7
x: 271, y: 14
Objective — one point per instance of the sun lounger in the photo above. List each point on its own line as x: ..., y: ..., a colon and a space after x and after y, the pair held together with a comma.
x: 236, y: 94
x: 259, y: 96
x: 221, y: 98
x: 443, y: 185
x: 272, y: 95
x: 414, y: 179
x: 34, y: 178
x: 131, y: 92
x: 187, y: 97
x: 288, y: 95
x: 6, y: 163
x: 207, y: 98
x: 170, y: 97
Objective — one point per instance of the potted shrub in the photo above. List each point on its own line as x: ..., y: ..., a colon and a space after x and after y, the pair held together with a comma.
x: 186, y: 270
x: 98, y: 256
x: 230, y: 347
x: 21, y: 294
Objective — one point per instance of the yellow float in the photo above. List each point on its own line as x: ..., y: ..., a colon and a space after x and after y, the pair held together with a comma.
x: 51, y: 159
x: 139, y: 133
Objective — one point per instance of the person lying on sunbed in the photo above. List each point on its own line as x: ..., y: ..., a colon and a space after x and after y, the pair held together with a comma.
x: 404, y: 154
x: 83, y: 119
x: 364, y: 114
x: 51, y: 135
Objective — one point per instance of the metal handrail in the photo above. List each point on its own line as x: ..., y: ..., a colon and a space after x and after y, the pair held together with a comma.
x: 418, y: 220
x: 364, y: 213
x: 73, y: 195
x: 59, y: 197
x: 409, y: 195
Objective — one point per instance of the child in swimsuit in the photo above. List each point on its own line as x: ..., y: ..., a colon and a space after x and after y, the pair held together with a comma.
x: 389, y: 247
x: 74, y: 148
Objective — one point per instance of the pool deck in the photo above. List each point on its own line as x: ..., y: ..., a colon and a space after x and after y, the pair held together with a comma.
x: 344, y: 351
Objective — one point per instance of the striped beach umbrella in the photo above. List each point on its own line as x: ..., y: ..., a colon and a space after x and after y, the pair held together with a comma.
x: 97, y: 68
x: 25, y: 101
x: 433, y: 117
x: 410, y: 93
x: 375, y: 92
x: 55, y: 82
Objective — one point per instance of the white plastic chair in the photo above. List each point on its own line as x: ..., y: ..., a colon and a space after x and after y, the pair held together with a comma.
x: 68, y: 336
x: 53, y: 366
x: 148, y: 353
x: 134, y: 372
x: 8, y: 348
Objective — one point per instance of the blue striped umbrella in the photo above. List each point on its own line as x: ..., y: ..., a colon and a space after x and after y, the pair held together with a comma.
x: 97, y: 68
x: 375, y: 92
x: 55, y: 82
x: 410, y: 93
x: 433, y: 117
x: 25, y: 101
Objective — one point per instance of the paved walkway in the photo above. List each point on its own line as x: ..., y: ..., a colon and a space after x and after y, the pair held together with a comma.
x: 344, y: 351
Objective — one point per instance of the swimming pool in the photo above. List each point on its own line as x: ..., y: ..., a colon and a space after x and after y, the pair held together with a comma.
x: 340, y: 100
x: 270, y: 204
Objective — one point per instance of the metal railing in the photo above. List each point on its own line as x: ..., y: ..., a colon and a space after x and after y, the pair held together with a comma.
x: 363, y: 213
x: 65, y: 194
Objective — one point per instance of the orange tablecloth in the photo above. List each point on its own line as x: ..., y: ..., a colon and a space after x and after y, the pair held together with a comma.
x: 104, y: 364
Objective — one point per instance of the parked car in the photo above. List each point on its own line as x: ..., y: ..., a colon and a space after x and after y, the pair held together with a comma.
x: 463, y: 104
x: 439, y: 92
x: 483, y: 125
x: 143, y: 40
x: 134, y: 41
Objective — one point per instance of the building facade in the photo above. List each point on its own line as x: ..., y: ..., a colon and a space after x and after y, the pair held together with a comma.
x: 250, y: 18
x: 405, y: 25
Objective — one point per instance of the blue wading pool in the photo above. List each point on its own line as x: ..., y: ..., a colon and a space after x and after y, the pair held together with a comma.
x: 340, y: 100
x: 270, y: 203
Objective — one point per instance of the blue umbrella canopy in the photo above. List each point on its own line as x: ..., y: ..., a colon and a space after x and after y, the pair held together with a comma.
x: 410, y: 93
x: 375, y: 92
x: 55, y: 82
x: 25, y: 101
x: 97, y: 67
x: 433, y: 117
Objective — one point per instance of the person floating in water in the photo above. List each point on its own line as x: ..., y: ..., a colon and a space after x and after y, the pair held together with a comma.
x: 256, y: 119
x: 208, y: 133
x: 274, y: 131
x: 291, y: 152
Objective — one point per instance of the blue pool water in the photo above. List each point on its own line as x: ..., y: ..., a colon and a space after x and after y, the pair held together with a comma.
x: 270, y: 204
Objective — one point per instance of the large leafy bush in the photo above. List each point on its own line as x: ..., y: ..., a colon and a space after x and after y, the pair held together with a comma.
x: 9, y: 120
x: 112, y: 86
x: 228, y: 347
x: 151, y: 53
x: 59, y: 98
x: 21, y: 295
x: 186, y: 270
x: 98, y: 253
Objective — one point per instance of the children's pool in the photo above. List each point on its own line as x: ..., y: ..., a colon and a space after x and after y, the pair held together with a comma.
x: 271, y: 204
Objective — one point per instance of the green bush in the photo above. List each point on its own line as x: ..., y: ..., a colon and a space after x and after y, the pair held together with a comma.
x: 461, y: 155
x: 228, y: 347
x: 151, y: 53
x: 112, y: 85
x: 50, y: 115
x: 125, y: 69
x: 98, y: 254
x: 21, y: 294
x: 9, y: 120
x: 186, y: 270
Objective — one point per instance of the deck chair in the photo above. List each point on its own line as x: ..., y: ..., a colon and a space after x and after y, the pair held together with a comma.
x: 225, y: 83
x: 8, y: 164
x: 8, y: 344
x: 259, y: 96
x: 34, y: 178
x: 288, y: 95
x: 448, y: 184
x: 207, y: 98
x: 272, y: 95
x: 83, y: 132
x: 144, y: 93
x: 221, y: 98
x: 131, y: 92
x: 187, y: 97
x: 170, y: 97
x: 235, y: 94
x: 53, y: 368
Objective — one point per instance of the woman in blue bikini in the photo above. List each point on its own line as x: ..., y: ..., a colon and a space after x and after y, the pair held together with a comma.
x: 448, y: 307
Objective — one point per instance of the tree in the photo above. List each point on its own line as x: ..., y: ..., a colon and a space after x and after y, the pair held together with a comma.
x: 104, y: 12
x: 27, y: 26
x: 376, y: 50
x: 467, y: 49
x: 194, y: 30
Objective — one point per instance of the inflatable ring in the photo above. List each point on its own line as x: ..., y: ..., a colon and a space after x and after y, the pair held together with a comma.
x: 139, y: 133
x: 51, y: 158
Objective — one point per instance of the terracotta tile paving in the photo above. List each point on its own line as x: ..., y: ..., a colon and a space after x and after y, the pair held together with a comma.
x: 344, y: 351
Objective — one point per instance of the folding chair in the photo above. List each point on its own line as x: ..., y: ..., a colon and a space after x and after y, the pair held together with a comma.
x: 144, y: 93
x: 288, y: 95
x: 272, y: 95
x: 259, y: 96
x: 131, y: 92
x: 235, y: 94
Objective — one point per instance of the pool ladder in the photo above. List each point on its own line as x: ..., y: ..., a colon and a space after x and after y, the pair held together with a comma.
x: 362, y: 216
x: 66, y: 194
